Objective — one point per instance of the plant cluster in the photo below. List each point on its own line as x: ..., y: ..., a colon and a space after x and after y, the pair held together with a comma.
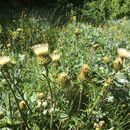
x: 75, y: 77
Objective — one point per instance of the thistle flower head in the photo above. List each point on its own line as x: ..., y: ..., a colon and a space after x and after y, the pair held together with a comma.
x: 22, y: 105
x: 117, y: 63
x: 55, y: 56
x: 63, y: 79
x: 123, y: 53
x: 106, y: 59
x: 4, y: 60
x: 40, y: 49
x: 44, y: 59
x: 85, y: 68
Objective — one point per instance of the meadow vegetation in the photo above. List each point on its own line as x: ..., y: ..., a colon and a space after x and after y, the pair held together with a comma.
x: 74, y: 76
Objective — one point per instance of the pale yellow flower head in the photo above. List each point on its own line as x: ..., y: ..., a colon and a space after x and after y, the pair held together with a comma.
x: 40, y: 49
x: 4, y: 60
x: 123, y: 53
x: 55, y: 57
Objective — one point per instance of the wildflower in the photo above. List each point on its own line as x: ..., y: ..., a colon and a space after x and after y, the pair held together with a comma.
x: 106, y: 59
x: 44, y: 59
x: 123, y: 53
x: 4, y: 60
x: 40, y: 96
x: 55, y: 57
x: 40, y: 49
x: 1, y: 115
x: 85, y: 68
x: 117, y: 63
x: 83, y: 72
x: 74, y: 18
x: 77, y: 32
x: 63, y: 79
x: 22, y: 105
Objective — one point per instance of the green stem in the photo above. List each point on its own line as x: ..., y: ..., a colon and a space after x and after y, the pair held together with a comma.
x: 80, y: 97
x: 50, y: 89
x: 10, y: 87
x: 10, y: 109
x: 21, y: 94
x: 97, y: 100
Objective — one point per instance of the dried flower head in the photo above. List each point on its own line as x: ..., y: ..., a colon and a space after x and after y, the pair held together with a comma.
x: 63, y: 79
x: 40, y: 49
x: 22, y: 105
x: 123, y: 53
x: 4, y: 60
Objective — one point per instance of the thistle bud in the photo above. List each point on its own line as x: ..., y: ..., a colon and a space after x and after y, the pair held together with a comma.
x: 106, y: 59
x: 22, y: 105
x: 63, y: 79
x: 117, y: 63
